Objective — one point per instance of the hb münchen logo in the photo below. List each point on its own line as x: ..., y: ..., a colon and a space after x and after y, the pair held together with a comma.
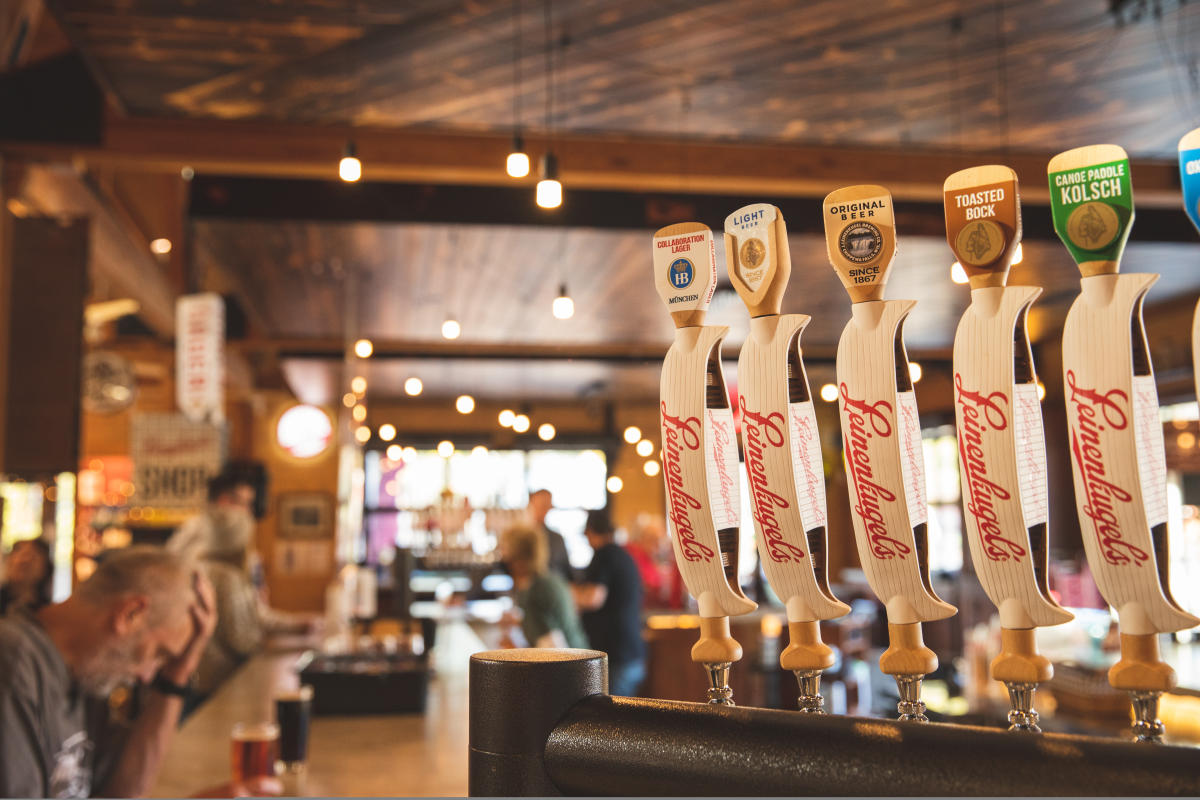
x: 681, y: 273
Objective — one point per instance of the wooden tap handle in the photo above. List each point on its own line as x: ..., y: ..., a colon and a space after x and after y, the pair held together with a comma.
x: 685, y: 271
x: 907, y: 653
x: 1091, y: 202
x: 1019, y: 660
x: 983, y: 222
x: 757, y: 257
x: 806, y: 651
x: 716, y: 644
x: 860, y: 235
x: 1141, y: 667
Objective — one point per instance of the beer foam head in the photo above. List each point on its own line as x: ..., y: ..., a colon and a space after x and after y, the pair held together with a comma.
x: 757, y: 257
x: 860, y: 236
x: 1091, y: 202
x: 255, y: 731
x: 303, y: 693
x: 685, y: 270
x: 983, y: 221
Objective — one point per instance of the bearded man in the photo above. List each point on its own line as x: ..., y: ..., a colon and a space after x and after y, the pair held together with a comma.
x: 144, y: 615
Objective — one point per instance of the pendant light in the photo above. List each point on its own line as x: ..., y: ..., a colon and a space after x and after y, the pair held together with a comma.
x: 563, y: 306
x: 350, y: 168
x: 517, y: 164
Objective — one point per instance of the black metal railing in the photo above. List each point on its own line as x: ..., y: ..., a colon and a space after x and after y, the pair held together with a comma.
x: 540, y: 724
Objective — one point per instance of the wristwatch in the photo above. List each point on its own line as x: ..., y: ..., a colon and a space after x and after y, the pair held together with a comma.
x: 165, y: 686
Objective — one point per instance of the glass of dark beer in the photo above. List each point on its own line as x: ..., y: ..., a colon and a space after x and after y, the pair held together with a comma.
x: 255, y: 748
x: 293, y: 709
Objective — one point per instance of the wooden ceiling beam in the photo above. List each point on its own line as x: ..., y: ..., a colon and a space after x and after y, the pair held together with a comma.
x: 629, y: 353
x: 267, y: 149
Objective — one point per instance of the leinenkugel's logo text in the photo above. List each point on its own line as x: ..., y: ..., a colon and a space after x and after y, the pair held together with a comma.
x: 763, y: 431
x: 1091, y: 413
x: 677, y: 434
x: 978, y: 414
x: 865, y: 421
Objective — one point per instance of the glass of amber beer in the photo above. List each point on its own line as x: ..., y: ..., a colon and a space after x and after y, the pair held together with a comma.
x: 255, y: 746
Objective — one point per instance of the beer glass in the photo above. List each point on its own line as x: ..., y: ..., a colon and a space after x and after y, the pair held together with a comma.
x: 254, y: 750
x: 292, y: 711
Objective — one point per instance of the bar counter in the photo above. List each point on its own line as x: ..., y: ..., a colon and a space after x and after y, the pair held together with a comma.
x: 408, y: 754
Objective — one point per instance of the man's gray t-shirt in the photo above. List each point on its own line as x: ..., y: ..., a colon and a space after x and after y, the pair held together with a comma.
x: 45, y: 749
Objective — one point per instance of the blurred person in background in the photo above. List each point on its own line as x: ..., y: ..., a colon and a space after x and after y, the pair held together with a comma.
x: 610, y: 599
x: 540, y: 503
x: 226, y: 555
x: 230, y: 508
x: 548, y: 617
x: 145, y: 615
x: 28, y: 576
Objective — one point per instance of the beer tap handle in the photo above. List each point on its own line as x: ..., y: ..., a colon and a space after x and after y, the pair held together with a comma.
x: 983, y: 222
x: 908, y: 660
x: 860, y: 234
x: 717, y: 650
x: 757, y: 257
x: 1142, y: 672
x: 685, y: 280
x: 1189, y: 174
x: 1091, y: 202
x: 1021, y: 669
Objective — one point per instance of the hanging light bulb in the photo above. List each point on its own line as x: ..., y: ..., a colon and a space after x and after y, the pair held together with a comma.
x: 546, y: 431
x: 445, y: 448
x: 358, y: 384
x: 614, y: 484
x: 350, y: 168
x: 957, y: 273
x: 359, y: 413
x: 1018, y: 254
x: 633, y: 434
x: 518, y: 161
x: 362, y: 434
x: 363, y: 348
x: 387, y: 432
x: 549, y: 190
x: 451, y: 329
x: 914, y: 371
x: 651, y: 468
x: 413, y: 386
x: 506, y: 418
x: 564, y: 306
x: 395, y: 452
x: 465, y: 404
x: 645, y: 447
x: 521, y: 423
x: 829, y: 393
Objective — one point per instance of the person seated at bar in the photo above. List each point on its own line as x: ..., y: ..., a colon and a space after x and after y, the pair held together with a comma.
x: 230, y: 506
x: 610, y: 599
x: 540, y: 504
x: 144, y: 615
x: 548, y: 616
x: 243, y: 617
x: 28, y: 577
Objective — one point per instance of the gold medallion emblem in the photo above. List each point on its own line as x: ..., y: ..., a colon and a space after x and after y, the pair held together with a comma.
x: 979, y: 243
x: 1093, y: 226
x: 752, y: 253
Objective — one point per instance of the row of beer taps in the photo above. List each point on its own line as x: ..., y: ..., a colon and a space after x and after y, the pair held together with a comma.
x: 1114, y: 433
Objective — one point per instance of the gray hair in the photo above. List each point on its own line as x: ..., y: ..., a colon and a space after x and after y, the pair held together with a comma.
x: 164, y: 578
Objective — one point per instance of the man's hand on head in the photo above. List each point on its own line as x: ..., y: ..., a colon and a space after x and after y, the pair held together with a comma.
x: 203, y: 613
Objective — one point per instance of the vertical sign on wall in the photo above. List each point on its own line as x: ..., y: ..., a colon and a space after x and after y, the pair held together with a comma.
x: 200, y: 357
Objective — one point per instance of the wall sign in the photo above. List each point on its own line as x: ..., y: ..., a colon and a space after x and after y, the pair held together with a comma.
x: 173, y: 460
x: 200, y: 357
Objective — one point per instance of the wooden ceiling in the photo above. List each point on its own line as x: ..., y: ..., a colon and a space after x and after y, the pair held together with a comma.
x: 1025, y: 74
x: 499, y: 281
x: 947, y: 76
